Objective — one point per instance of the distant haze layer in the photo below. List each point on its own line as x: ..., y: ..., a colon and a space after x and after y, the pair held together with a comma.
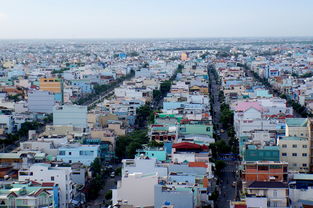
x: 31, y: 19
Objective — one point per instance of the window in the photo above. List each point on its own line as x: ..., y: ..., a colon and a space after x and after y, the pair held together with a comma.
x: 275, y: 167
x: 305, y: 146
x: 294, y: 146
x: 70, y: 153
x: 294, y: 164
x: 284, y: 154
x: 86, y: 152
x: 251, y: 166
x: 304, y: 165
x: 70, y: 161
x: 52, y: 178
x: 294, y: 154
x: 275, y: 193
x: 25, y: 202
x: 304, y: 154
x: 262, y: 167
x: 208, y: 129
x: 284, y: 146
x: 62, y: 153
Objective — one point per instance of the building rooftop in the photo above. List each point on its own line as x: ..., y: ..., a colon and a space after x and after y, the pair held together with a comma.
x: 296, y: 122
x: 303, y: 177
x: 267, y: 184
x: 243, y: 106
x: 306, y: 202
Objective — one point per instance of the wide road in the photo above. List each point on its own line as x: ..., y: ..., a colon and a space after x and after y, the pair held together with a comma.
x: 226, y: 189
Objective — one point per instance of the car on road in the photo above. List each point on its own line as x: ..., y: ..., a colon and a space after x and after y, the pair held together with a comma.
x: 112, y: 175
x: 234, y: 184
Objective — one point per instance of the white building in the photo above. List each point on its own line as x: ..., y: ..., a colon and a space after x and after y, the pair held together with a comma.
x: 61, y: 176
x: 46, y: 147
x: 275, y: 193
x: 145, y: 166
x: 137, y: 189
x: 301, y: 190
x: 6, y: 123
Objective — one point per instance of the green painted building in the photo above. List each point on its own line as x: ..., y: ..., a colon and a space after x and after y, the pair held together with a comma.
x: 266, y: 153
x: 158, y: 153
x: 186, y: 129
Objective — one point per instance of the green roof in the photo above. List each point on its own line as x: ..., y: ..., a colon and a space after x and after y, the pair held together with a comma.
x: 16, y: 187
x: 10, y: 155
x: 303, y: 177
x: 296, y: 122
x: 271, y: 147
x: 251, y: 146
x: 167, y: 115
x: 177, y: 116
x: 160, y: 128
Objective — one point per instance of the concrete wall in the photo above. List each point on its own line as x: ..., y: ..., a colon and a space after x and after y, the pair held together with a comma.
x: 70, y: 115
x: 40, y: 102
x: 137, y: 189
x: 180, y: 199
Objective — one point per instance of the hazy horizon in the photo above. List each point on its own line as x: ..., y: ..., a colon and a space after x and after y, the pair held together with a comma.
x: 162, y: 19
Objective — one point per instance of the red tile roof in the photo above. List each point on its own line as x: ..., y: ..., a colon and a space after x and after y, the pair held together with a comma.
x: 197, y: 164
x: 47, y: 184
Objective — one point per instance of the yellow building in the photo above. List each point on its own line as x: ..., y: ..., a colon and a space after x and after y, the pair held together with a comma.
x: 297, y: 127
x: 295, y: 151
x: 8, y: 64
x: 184, y: 56
x: 295, y: 146
x: 50, y: 84
x: 202, y: 90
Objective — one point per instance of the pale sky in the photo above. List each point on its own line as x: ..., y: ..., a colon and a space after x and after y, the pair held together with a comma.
x: 24, y: 19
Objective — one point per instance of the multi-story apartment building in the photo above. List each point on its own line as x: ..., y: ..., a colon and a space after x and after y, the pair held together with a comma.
x: 264, y: 171
x: 295, y: 151
x: 61, y: 176
x: 78, y: 153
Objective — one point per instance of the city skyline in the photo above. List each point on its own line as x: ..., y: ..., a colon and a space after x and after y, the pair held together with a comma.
x: 154, y: 19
